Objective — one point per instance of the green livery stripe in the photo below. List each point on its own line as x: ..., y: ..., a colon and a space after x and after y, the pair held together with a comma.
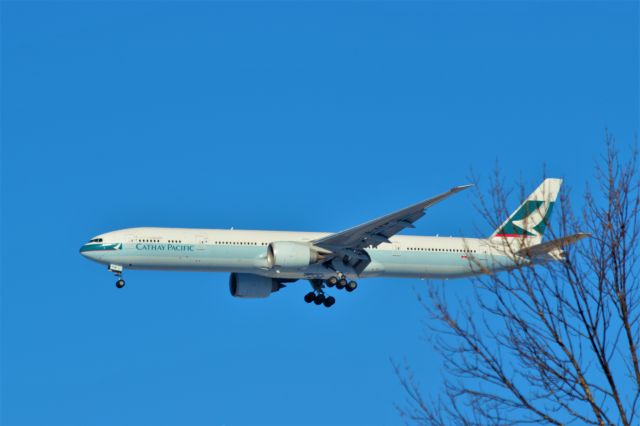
x: 100, y: 247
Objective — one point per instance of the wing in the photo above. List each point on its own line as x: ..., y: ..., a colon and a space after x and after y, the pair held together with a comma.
x: 351, y: 243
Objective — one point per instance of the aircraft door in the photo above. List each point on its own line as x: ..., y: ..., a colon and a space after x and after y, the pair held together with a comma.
x: 482, y: 254
x: 201, y: 242
x: 396, y: 249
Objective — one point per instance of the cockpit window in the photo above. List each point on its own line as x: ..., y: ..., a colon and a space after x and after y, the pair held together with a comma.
x: 96, y: 240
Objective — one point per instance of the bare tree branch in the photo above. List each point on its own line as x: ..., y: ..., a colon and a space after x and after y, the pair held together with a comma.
x: 555, y: 343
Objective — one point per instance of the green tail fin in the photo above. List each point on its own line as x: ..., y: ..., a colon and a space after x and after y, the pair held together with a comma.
x: 530, y: 220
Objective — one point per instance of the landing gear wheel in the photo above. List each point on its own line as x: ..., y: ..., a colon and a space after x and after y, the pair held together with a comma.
x: 332, y: 281
x: 329, y: 301
x: 309, y: 297
x: 342, y: 283
x: 352, y: 286
x: 120, y: 283
x: 319, y: 299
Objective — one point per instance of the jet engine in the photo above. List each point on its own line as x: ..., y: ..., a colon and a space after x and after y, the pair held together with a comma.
x: 291, y: 255
x: 250, y: 286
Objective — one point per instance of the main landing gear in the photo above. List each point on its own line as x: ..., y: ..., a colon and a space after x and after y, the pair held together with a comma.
x: 342, y: 283
x: 117, y: 270
x: 318, y: 297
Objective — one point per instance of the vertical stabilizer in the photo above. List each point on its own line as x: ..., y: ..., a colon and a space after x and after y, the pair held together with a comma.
x: 530, y: 220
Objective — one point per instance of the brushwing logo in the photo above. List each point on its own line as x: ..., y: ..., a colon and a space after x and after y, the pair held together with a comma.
x: 529, y: 221
x: 114, y: 246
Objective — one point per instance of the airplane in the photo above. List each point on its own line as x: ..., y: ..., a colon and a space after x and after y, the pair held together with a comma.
x: 263, y: 262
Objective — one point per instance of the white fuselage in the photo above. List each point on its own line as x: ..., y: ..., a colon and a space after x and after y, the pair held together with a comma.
x: 245, y: 251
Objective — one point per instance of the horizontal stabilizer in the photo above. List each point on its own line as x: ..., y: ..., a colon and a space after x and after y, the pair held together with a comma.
x: 550, y: 246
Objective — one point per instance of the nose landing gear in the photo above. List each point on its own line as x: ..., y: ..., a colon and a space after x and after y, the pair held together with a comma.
x: 117, y: 270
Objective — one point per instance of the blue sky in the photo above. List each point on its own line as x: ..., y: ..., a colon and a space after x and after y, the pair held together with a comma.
x: 302, y: 116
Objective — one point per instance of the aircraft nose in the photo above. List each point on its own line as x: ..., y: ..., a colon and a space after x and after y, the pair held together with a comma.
x: 87, y: 251
x: 83, y: 250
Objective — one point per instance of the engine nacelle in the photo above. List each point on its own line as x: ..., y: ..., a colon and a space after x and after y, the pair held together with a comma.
x: 290, y: 255
x: 250, y: 286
